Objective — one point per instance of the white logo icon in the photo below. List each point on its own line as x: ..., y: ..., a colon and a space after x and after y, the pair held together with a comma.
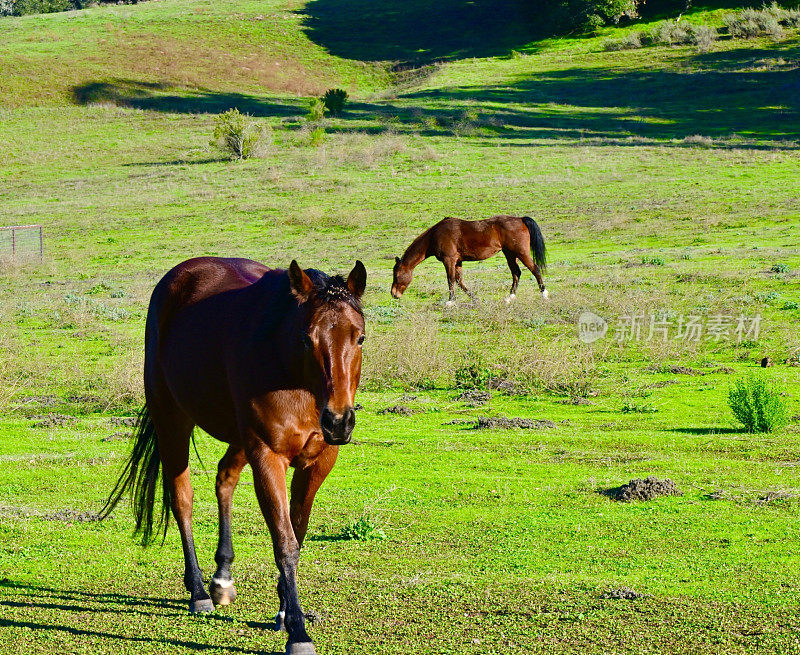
x: 591, y: 327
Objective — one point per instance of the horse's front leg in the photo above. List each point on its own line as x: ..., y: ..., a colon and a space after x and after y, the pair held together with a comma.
x: 269, y: 476
x: 460, y: 281
x: 230, y: 467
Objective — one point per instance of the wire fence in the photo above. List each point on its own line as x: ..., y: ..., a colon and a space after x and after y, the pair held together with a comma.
x: 18, y: 242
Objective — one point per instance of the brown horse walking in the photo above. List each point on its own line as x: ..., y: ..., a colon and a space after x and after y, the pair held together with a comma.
x: 453, y: 241
x: 267, y: 361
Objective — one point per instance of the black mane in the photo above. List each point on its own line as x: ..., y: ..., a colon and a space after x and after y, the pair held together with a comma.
x: 332, y: 288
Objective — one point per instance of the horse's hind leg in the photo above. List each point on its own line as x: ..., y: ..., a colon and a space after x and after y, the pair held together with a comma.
x: 174, y: 431
x: 511, y: 258
x: 525, y: 258
x: 230, y: 467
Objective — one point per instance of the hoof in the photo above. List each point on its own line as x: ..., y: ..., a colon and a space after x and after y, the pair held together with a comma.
x: 300, y: 648
x: 222, y: 592
x: 545, y: 295
x: 280, y: 624
x: 202, y: 606
x: 450, y: 303
x: 510, y: 298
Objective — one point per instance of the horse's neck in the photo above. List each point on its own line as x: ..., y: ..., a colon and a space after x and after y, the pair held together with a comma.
x: 417, y: 251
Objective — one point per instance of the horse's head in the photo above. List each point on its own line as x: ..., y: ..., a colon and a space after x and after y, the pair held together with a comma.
x: 332, y: 334
x: 401, y: 278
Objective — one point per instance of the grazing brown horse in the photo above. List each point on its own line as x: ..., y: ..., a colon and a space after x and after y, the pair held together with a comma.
x: 453, y: 241
x: 267, y: 361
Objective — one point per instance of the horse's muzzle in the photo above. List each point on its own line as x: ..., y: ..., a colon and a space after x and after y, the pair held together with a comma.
x: 337, y: 428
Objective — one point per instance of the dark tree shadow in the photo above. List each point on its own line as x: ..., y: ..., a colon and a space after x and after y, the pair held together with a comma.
x: 417, y: 32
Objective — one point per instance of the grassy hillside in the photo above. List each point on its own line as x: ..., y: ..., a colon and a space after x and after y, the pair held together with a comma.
x: 665, y: 181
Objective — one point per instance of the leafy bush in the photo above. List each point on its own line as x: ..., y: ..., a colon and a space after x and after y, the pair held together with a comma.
x: 779, y: 268
x: 364, y: 528
x: 334, y: 101
x: 758, y: 404
x: 237, y: 134
x: 316, y: 110
x: 6, y: 7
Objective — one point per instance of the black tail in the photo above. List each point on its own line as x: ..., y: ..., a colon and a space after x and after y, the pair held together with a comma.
x: 538, y: 250
x: 141, y: 476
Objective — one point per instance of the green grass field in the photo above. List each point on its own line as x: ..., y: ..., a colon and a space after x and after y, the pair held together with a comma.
x: 665, y: 181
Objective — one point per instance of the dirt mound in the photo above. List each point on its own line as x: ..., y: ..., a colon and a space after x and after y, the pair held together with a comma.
x: 647, y: 489
x: 624, y: 593
x: 474, y: 397
x: 400, y: 410
x: 508, y: 387
x: 72, y: 516
x: 491, y: 422
x: 124, y: 421
x: 661, y: 384
x: 53, y: 420
x: 577, y: 400
x: 117, y: 436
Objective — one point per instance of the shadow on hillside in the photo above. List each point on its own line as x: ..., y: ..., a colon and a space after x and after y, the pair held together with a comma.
x: 416, y: 32
x: 156, y: 96
x: 744, y: 98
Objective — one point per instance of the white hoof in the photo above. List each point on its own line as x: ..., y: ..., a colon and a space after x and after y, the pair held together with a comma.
x: 300, y: 648
x: 510, y: 298
x: 280, y: 623
x: 545, y: 295
x: 450, y: 303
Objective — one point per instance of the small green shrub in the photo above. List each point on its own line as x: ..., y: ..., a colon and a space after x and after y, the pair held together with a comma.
x: 364, y: 528
x: 681, y: 32
x: 317, y: 137
x: 779, y: 268
x: 630, y: 41
x: 652, y: 260
x: 471, y: 373
x: 751, y: 23
x: 316, y: 110
x: 791, y: 304
x: 757, y: 404
x: 334, y: 101
x: 237, y: 134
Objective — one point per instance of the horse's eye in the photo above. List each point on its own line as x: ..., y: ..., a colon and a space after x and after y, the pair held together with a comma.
x: 361, y: 340
x: 307, y: 343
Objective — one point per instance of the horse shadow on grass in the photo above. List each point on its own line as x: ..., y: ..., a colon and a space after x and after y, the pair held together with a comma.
x: 84, y: 603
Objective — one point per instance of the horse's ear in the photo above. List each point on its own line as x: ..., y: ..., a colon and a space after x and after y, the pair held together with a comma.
x: 301, y: 284
x: 396, y: 260
x: 357, y: 280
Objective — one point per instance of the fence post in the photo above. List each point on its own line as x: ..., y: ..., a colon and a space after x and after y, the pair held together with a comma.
x: 13, y: 242
x: 41, y: 243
